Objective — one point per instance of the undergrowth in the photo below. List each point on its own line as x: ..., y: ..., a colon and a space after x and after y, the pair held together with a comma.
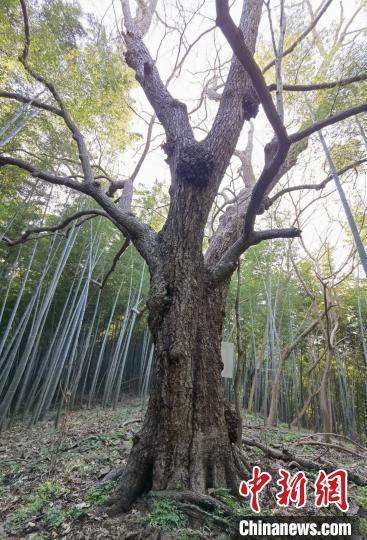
x: 166, y: 515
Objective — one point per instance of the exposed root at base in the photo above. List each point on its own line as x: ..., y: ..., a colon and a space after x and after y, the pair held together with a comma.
x: 136, y: 478
x: 207, y: 502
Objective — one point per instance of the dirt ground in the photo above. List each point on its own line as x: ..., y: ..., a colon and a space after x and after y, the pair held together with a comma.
x: 54, y: 482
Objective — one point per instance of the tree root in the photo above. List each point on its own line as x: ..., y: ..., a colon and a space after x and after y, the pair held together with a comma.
x: 310, y: 464
x: 201, y: 508
x: 136, y: 479
x: 197, y: 499
x: 196, y: 510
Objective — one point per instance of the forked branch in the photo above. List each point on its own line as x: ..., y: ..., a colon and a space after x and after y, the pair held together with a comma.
x: 142, y: 235
x: 275, y: 152
x: 235, y: 39
x: 77, y: 136
x: 228, y: 262
x: 171, y: 112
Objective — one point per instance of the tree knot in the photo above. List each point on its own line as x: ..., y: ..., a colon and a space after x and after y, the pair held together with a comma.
x: 195, y: 165
x: 250, y: 105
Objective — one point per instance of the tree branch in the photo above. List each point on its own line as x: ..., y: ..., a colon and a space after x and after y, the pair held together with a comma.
x: 235, y: 39
x: 319, y: 86
x: 38, y: 173
x: 330, y: 120
x: 316, y: 187
x: 53, y: 228
x: 142, y: 235
x: 290, y: 348
x: 120, y: 184
x: 231, y: 222
x: 278, y: 149
x: 275, y: 152
x: 116, y: 259
x: 272, y: 234
x: 228, y: 262
x: 77, y: 136
x: 171, y: 113
x: 31, y: 101
x: 238, y: 101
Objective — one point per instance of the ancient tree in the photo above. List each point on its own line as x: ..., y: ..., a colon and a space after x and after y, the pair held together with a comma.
x: 187, y: 441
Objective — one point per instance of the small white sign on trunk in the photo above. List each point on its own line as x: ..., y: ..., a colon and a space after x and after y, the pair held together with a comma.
x: 227, y: 359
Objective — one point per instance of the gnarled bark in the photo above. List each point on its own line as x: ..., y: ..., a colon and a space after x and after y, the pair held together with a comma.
x: 185, y: 442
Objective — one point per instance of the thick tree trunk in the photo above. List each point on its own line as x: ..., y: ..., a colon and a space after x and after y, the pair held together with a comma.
x: 185, y: 441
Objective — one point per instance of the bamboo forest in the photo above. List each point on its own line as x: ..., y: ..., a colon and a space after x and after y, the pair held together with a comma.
x: 183, y: 269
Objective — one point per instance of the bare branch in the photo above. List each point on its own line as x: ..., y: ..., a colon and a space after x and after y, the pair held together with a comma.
x: 146, y: 149
x: 179, y: 63
x: 301, y: 37
x: 276, y: 152
x: 316, y: 187
x: 228, y: 262
x: 78, y: 137
x: 121, y: 184
x: 235, y: 39
x: 38, y: 173
x: 116, y: 259
x: 27, y: 234
x: 272, y: 234
x: 278, y: 51
x: 231, y: 223
x: 330, y: 120
x: 319, y: 86
x: 142, y: 235
x: 171, y: 112
x: 239, y: 101
x: 31, y: 101
x: 245, y: 156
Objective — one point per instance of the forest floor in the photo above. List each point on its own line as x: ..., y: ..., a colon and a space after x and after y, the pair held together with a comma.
x: 54, y: 483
